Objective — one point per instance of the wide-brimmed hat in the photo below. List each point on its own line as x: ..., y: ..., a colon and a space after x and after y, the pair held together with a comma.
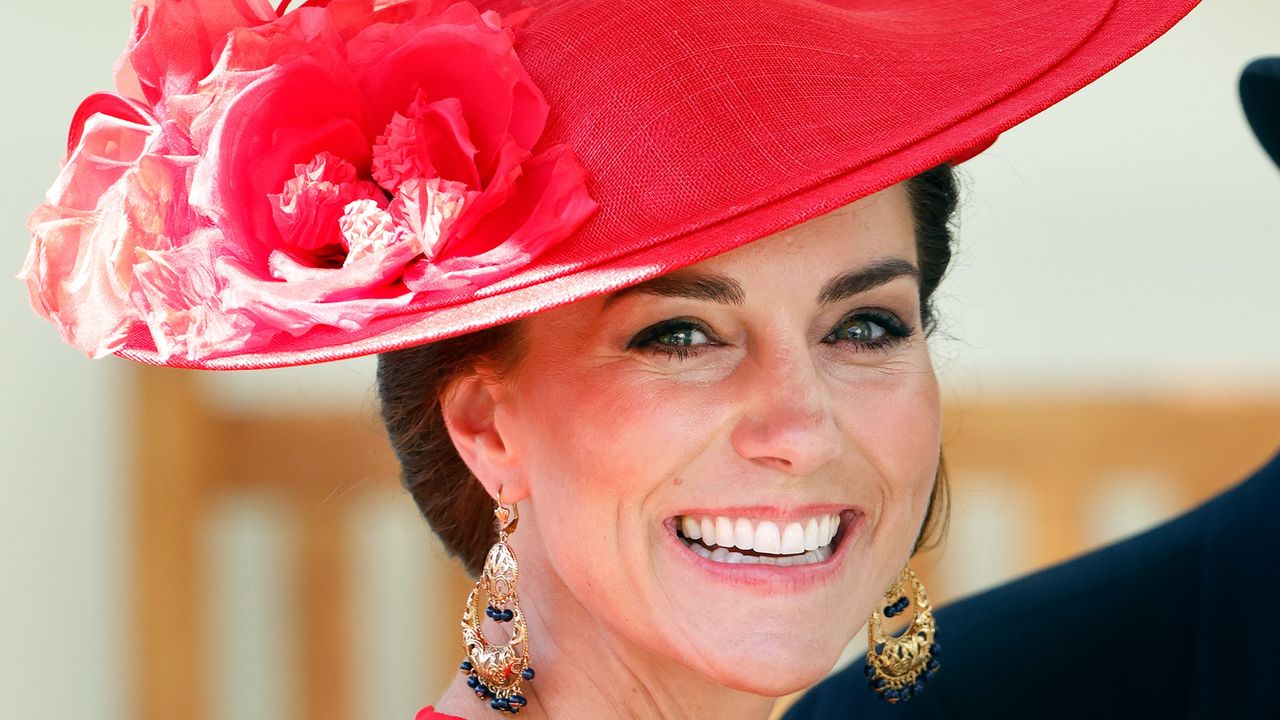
x: 353, y: 177
x: 1260, y: 96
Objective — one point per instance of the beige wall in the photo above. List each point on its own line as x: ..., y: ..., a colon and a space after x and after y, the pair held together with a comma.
x: 1126, y: 240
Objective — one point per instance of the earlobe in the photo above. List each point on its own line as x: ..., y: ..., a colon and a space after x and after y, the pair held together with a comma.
x: 471, y: 409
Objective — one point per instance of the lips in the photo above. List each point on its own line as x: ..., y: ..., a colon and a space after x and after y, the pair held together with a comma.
x: 742, y: 540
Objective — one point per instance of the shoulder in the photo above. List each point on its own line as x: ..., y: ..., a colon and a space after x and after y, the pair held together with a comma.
x: 1134, y: 629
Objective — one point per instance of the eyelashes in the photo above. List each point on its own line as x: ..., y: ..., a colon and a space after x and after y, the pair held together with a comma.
x: 861, y: 332
x: 675, y: 338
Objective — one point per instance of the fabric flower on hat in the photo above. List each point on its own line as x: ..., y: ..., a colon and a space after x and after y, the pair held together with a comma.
x: 263, y: 173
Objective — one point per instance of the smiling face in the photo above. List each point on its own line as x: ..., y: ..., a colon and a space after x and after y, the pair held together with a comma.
x: 726, y: 467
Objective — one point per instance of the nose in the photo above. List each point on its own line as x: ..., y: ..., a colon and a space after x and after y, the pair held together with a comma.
x: 787, y: 421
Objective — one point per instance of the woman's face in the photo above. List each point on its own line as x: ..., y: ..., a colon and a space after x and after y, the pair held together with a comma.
x: 688, y: 444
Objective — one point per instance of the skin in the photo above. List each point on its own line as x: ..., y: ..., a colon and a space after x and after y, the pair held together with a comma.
x: 779, y: 408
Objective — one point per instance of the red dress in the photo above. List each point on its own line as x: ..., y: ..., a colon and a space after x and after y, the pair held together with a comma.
x: 429, y: 713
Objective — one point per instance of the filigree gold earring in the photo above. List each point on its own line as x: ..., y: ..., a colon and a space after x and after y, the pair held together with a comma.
x: 495, y: 672
x: 898, y: 665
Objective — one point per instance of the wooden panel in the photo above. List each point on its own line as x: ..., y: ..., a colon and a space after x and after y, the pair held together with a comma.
x: 1064, y: 451
x: 319, y: 458
x: 171, y: 474
x: 325, y: 637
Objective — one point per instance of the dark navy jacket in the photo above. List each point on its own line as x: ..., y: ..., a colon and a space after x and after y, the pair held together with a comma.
x: 1182, y: 621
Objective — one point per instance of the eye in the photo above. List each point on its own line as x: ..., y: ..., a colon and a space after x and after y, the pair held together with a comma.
x: 870, y: 330
x: 680, y: 338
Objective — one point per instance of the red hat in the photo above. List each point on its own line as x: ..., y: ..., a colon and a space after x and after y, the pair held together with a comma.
x: 353, y: 177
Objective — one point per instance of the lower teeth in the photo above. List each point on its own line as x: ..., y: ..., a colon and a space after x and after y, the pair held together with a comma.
x: 725, y: 555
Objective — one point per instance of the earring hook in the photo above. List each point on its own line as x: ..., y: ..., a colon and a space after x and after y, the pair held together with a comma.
x: 507, y: 516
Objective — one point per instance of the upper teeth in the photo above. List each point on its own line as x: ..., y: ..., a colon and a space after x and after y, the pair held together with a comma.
x: 762, y: 536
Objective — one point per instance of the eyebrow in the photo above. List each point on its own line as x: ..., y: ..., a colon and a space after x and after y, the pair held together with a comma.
x: 873, y: 275
x: 715, y: 288
x: 725, y: 290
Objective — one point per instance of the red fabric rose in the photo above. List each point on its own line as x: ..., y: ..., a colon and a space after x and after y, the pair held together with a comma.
x: 273, y: 174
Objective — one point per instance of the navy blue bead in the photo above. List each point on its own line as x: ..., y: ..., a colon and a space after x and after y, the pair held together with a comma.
x: 508, y: 614
x: 876, y: 683
x: 917, y: 687
x: 928, y: 674
x: 890, y: 611
x: 518, y: 700
x: 497, y: 704
x: 527, y: 674
x: 932, y: 664
x: 935, y: 649
x: 891, y: 694
x: 868, y: 670
x: 473, y: 682
x: 465, y: 666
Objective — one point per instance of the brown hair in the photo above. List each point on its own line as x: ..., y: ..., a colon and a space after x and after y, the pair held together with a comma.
x: 412, y: 381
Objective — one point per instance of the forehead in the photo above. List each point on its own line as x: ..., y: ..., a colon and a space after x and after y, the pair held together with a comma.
x: 874, y: 227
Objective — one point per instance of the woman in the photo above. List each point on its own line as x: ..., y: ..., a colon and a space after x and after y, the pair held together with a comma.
x: 650, y: 282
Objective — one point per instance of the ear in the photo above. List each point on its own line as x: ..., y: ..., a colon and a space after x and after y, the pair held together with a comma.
x: 472, y: 410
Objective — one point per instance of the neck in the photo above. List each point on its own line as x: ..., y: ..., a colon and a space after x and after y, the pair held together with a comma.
x: 586, y: 670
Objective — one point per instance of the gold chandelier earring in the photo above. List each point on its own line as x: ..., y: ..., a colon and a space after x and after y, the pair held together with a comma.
x: 495, y: 672
x: 898, y: 665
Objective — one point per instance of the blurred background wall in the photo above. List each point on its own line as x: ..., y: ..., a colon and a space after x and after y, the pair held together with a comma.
x: 1125, y: 243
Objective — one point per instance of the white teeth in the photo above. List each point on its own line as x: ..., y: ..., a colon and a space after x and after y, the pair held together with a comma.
x: 811, y: 534
x: 769, y: 539
x: 691, y: 528
x: 743, y: 534
x: 730, y: 557
x: 792, y: 540
x: 724, y: 532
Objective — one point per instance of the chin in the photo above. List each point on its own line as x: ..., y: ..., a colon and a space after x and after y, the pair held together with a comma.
x: 773, y: 664
x: 775, y: 679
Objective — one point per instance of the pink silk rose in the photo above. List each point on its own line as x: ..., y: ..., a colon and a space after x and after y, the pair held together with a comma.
x: 277, y: 173
x: 118, y: 193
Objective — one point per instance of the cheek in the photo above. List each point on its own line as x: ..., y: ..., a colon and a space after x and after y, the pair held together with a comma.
x: 600, y: 448
x: 614, y: 433
x: 895, y: 426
